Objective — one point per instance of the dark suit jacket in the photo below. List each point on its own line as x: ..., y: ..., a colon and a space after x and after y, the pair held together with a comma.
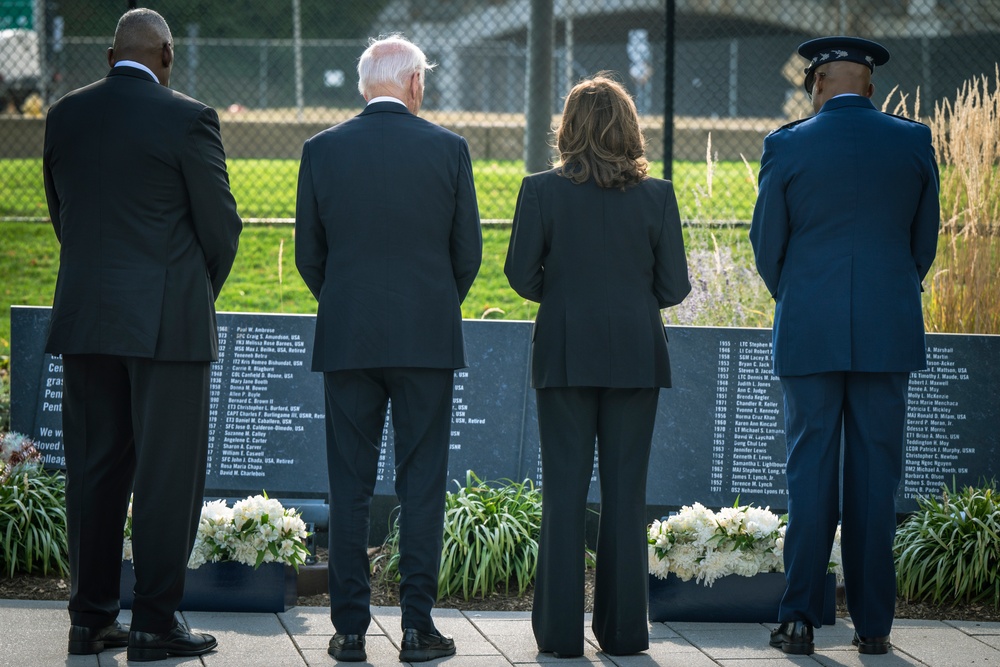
x: 387, y: 238
x: 602, y: 263
x: 844, y: 231
x: 137, y: 189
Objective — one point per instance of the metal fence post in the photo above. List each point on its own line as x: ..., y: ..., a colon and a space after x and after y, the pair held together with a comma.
x: 670, y: 28
x: 297, y: 39
x: 539, y: 99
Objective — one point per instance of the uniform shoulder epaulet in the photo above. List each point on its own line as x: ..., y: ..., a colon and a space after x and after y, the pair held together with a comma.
x: 906, y: 118
x: 788, y: 125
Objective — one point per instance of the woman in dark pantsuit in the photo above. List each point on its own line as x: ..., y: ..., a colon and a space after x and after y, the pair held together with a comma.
x: 598, y: 244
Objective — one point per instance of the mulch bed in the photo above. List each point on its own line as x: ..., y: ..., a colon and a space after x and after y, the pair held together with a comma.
x: 386, y: 594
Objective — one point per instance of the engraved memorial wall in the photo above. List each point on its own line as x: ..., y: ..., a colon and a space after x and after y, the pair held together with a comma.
x: 952, y: 412
x: 719, y: 434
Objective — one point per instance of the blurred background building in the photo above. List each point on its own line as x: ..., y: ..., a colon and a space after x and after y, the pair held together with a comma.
x: 280, y: 70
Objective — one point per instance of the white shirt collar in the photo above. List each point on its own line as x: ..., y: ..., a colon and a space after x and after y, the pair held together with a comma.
x: 386, y: 98
x: 132, y: 63
x: 846, y: 95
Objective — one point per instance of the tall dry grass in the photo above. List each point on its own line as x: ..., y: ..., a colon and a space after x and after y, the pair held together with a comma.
x: 725, y: 288
x: 962, y: 292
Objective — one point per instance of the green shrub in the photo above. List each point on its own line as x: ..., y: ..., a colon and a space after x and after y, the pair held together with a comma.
x: 490, y: 538
x: 949, y: 551
x: 32, y: 511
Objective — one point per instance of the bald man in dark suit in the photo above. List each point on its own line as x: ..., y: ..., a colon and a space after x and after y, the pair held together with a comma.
x: 844, y: 231
x: 137, y: 189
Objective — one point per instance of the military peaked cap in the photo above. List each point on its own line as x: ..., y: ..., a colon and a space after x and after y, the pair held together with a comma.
x: 831, y: 49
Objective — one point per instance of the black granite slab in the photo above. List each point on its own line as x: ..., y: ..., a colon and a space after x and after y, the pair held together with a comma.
x: 719, y: 434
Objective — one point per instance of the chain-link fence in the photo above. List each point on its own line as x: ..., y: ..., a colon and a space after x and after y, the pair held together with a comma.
x: 718, y: 73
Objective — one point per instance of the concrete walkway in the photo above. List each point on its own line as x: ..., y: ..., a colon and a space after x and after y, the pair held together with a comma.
x: 33, y: 634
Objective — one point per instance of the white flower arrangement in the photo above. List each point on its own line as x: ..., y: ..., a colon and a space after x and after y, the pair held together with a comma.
x: 255, y: 530
x: 696, y: 543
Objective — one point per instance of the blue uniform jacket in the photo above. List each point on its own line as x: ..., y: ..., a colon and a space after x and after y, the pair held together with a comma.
x: 844, y: 230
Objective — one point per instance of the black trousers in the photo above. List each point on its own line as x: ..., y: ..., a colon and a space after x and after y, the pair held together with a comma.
x: 140, y: 426
x: 569, y: 420
x: 870, y: 410
x: 421, y: 418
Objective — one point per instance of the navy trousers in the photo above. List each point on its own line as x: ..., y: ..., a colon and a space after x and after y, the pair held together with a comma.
x: 869, y: 409
x: 356, y: 402
x: 131, y: 423
x: 569, y: 420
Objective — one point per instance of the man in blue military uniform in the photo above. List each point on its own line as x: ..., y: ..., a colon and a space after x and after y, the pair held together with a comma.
x: 844, y: 231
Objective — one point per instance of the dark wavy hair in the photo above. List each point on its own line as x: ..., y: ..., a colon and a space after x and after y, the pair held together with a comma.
x: 599, y: 136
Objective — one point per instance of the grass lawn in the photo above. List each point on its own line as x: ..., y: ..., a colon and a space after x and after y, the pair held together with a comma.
x: 264, y: 278
x: 29, y: 261
x: 266, y: 188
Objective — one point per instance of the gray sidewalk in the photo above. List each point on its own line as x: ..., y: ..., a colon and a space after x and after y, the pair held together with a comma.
x: 33, y: 634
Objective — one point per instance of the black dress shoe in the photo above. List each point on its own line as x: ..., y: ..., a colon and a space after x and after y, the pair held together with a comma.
x: 562, y: 654
x: 422, y: 646
x: 348, y: 648
x: 86, y: 641
x: 871, y: 645
x: 795, y: 637
x: 148, y: 646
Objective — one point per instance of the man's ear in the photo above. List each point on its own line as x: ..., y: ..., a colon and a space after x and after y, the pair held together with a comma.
x: 111, y: 57
x: 871, y: 90
x: 167, y: 56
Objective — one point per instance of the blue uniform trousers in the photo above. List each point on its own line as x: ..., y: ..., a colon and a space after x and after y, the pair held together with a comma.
x: 869, y: 409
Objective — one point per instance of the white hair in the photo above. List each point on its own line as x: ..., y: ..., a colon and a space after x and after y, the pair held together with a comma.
x: 390, y: 60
